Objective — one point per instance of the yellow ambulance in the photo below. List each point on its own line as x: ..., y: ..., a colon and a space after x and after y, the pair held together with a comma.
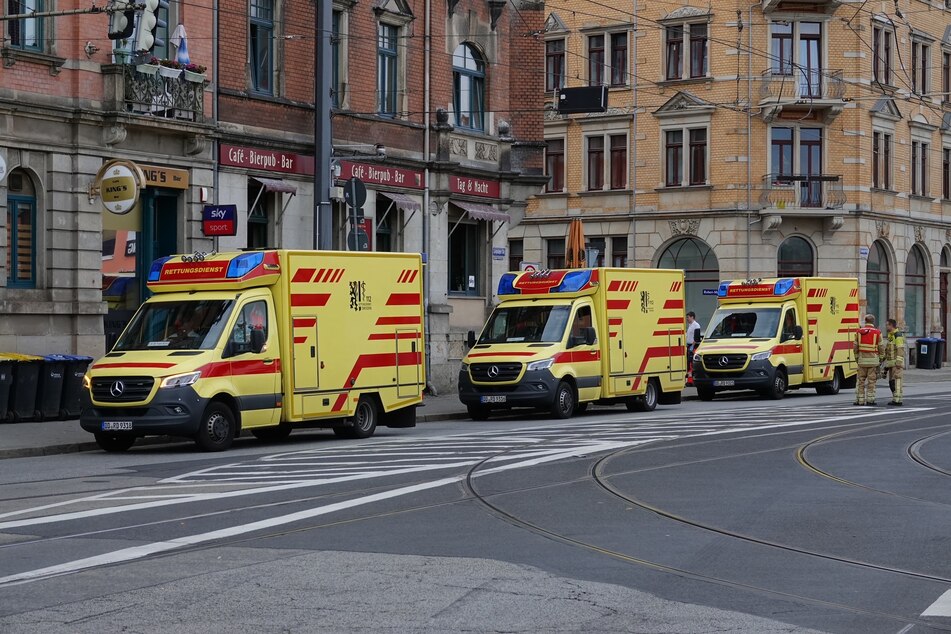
x: 561, y: 339
x: 773, y: 335
x: 262, y: 340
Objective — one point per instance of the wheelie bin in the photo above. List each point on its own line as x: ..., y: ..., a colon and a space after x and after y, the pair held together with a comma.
x: 26, y: 379
x: 938, y: 353
x: 6, y: 381
x: 49, y: 392
x: 925, y: 353
x: 71, y: 405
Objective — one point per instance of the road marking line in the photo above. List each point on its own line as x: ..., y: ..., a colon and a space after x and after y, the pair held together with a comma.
x: 941, y: 607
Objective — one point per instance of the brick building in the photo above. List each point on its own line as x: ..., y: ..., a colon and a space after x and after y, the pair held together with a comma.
x: 778, y: 139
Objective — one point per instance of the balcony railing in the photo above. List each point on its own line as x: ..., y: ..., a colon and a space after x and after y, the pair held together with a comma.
x: 801, y: 84
x: 168, y: 97
x: 808, y: 191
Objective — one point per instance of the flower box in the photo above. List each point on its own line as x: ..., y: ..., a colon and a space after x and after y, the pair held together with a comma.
x: 198, y: 78
x: 147, y: 69
x: 171, y: 73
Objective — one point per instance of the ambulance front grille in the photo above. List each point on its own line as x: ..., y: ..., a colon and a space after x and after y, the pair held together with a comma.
x: 495, y: 372
x: 122, y: 389
x: 724, y: 362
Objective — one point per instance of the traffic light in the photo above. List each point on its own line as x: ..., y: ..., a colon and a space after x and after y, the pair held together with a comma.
x: 121, y: 19
x: 148, y: 23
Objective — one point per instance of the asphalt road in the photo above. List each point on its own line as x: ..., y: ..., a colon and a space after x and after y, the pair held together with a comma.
x: 806, y: 514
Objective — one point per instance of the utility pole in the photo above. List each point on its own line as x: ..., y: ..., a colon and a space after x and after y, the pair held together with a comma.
x: 323, y: 142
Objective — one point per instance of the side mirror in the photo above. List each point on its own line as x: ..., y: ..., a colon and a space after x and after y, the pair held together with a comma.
x: 797, y: 331
x: 697, y: 336
x: 589, y: 336
x: 258, y: 340
x: 470, y: 339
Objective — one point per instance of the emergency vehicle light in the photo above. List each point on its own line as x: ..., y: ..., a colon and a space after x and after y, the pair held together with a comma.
x: 783, y: 286
x: 245, y: 262
x: 574, y: 281
x: 155, y: 273
x: 507, y: 284
x: 723, y: 289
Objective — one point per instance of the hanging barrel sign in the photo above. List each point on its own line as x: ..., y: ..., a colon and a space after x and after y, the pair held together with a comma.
x: 119, y: 185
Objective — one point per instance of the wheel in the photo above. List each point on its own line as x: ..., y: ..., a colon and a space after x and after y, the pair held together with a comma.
x: 831, y: 388
x: 364, y: 420
x: 114, y: 443
x: 280, y: 432
x: 705, y: 393
x: 778, y: 388
x: 478, y: 412
x: 217, y: 428
x: 647, y: 401
x: 580, y: 408
x: 564, y: 404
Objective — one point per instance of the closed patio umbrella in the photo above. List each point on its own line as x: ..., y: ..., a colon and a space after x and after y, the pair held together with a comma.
x: 574, y: 246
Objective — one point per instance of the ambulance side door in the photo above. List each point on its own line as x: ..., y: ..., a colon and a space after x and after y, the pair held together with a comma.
x: 255, y: 375
x: 791, y: 345
x: 585, y: 358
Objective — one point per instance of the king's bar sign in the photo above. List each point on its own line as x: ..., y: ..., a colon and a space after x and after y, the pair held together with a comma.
x: 118, y: 184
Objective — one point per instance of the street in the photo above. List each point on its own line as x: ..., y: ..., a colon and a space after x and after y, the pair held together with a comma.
x: 804, y: 514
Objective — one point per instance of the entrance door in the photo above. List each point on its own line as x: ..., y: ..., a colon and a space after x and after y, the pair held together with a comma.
x: 159, y: 231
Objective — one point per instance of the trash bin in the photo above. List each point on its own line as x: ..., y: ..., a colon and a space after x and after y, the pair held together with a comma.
x: 49, y: 392
x: 6, y: 381
x: 925, y: 353
x: 71, y: 405
x: 938, y: 353
x: 26, y: 379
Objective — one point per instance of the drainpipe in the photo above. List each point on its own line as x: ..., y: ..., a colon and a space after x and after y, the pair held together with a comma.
x: 749, y: 144
x: 427, y: 97
x: 633, y: 182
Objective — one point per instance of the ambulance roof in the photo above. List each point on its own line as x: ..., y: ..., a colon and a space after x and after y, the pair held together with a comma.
x: 216, y: 271
x: 550, y: 282
x: 760, y: 288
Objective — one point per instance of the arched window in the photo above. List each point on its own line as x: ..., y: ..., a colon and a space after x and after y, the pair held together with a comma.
x: 877, y: 282
x: 468, y: 87
x: 915, y: 296
x: 795, y: 258
x: 701, y: 272
x: 21, y: 230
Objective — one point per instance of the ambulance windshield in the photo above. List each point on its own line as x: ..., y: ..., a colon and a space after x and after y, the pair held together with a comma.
x: 526, y: 324
x: 189, y: 325
x: 743, y: 323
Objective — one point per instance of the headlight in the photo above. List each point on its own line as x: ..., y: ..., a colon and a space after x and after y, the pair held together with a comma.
x: 463, y: 367
x: 180, y: 380
x: 696, y: 357
x: 87, y: 382
x: 761, y: 356
x: 544, y: 364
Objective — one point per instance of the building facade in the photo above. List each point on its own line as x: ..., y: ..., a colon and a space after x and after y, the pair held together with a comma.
x: 779, y: 139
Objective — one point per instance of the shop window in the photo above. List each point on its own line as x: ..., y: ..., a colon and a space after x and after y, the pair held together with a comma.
x: 915, y: 286
x: 21, y: 231
x: 556, y: 253
x: 260, y: 203
x: 877, y: 282
x: 701, y: 271
x: 262, y: 46
x: 795, y: 258
x: 465, y: 265
x: 619, y: 251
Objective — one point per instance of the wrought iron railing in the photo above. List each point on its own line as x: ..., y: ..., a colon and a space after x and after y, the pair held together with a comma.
x: 796, y: 83
x: 817, y: 191
x: 160, y: 96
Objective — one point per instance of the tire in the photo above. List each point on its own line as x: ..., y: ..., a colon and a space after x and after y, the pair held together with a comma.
x: 216, y: 431
x: 563, y: 405
x: 831, y: 388
x: 114, y: 443
x: 647, y: 402
x: 365, y: 418
x: 581, y: 408
x: 478, y: 412
x: 779, y: 386
x: 705, y: 393
x: 271, y: 434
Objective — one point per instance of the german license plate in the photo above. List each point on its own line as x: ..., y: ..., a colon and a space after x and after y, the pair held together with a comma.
x: 724, y: 383
x: 492, y: 399
x: 117, y: 425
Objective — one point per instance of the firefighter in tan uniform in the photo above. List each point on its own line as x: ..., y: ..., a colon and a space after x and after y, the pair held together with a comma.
x: 894, y: 359
x: 869, y: 354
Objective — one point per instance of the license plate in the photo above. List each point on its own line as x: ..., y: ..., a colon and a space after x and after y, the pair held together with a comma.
x: 118, y: 425
x: 492, y: 399
x: 724, y: 383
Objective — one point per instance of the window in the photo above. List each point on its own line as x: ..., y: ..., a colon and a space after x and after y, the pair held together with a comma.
x: 692, y: 38
x: 881, y: 160
x: 618, y: 161
x: 915, y: 283
x: 919, y: 168
x: 781, y: 35
x: 695, y: 155
x: 596, y: 60
x: 810, y: 59
x: 783, y: 143
x: 21, y: 237
x: 262, y: 46
x: 464, y: 259
x: 556, y: 253
x: 258, y: 224
x: 781, y: 151
x: 581, y: 322
x: 946, y: 174
x: 619, y: 251
x: 945, y: 77
x: 387, y: 69
x: 25, y: 33
x: 554, y: 65
x: 920, y: 65
x: 595, y: 162
x: 882, y: 38
x: 877, y: 281
x: 619, y: 59
x: 598, y: 244
x: 701, y: 271
x: 253, y: 316
x: 516, y: 254
x: 468, y: 76
x: 794, y: 258
x: 555, y: 165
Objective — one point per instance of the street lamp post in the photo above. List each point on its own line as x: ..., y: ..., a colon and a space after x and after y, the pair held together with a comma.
x: 323, y: 76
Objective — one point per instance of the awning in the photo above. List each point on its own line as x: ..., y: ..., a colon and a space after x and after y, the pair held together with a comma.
x: 482, y: 212
x: 276, y: 185
x: 402, y: 201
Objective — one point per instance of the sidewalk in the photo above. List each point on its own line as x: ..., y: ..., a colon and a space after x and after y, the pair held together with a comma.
x: 25, y: 439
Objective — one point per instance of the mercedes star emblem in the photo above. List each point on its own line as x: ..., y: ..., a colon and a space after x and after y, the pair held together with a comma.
x: 724, y: 361
x: 117, y: 389
x: 493, y: 371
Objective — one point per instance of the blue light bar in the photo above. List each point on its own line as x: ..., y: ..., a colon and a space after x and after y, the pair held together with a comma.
x: 574, y: 281
x: 156, y: 271
x: 783, y: 286
x: 245, y: 262
x: 507, y: 285
x: 722, y: 290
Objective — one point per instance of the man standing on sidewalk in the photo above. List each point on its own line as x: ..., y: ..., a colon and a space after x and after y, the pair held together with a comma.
x: 869, y: 354
x: 894, y: 359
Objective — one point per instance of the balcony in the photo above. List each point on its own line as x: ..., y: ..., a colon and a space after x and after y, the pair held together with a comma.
x: 802, y: 90
x: 817, y: 6
x: 159, y: 96
x: 802, y: 196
